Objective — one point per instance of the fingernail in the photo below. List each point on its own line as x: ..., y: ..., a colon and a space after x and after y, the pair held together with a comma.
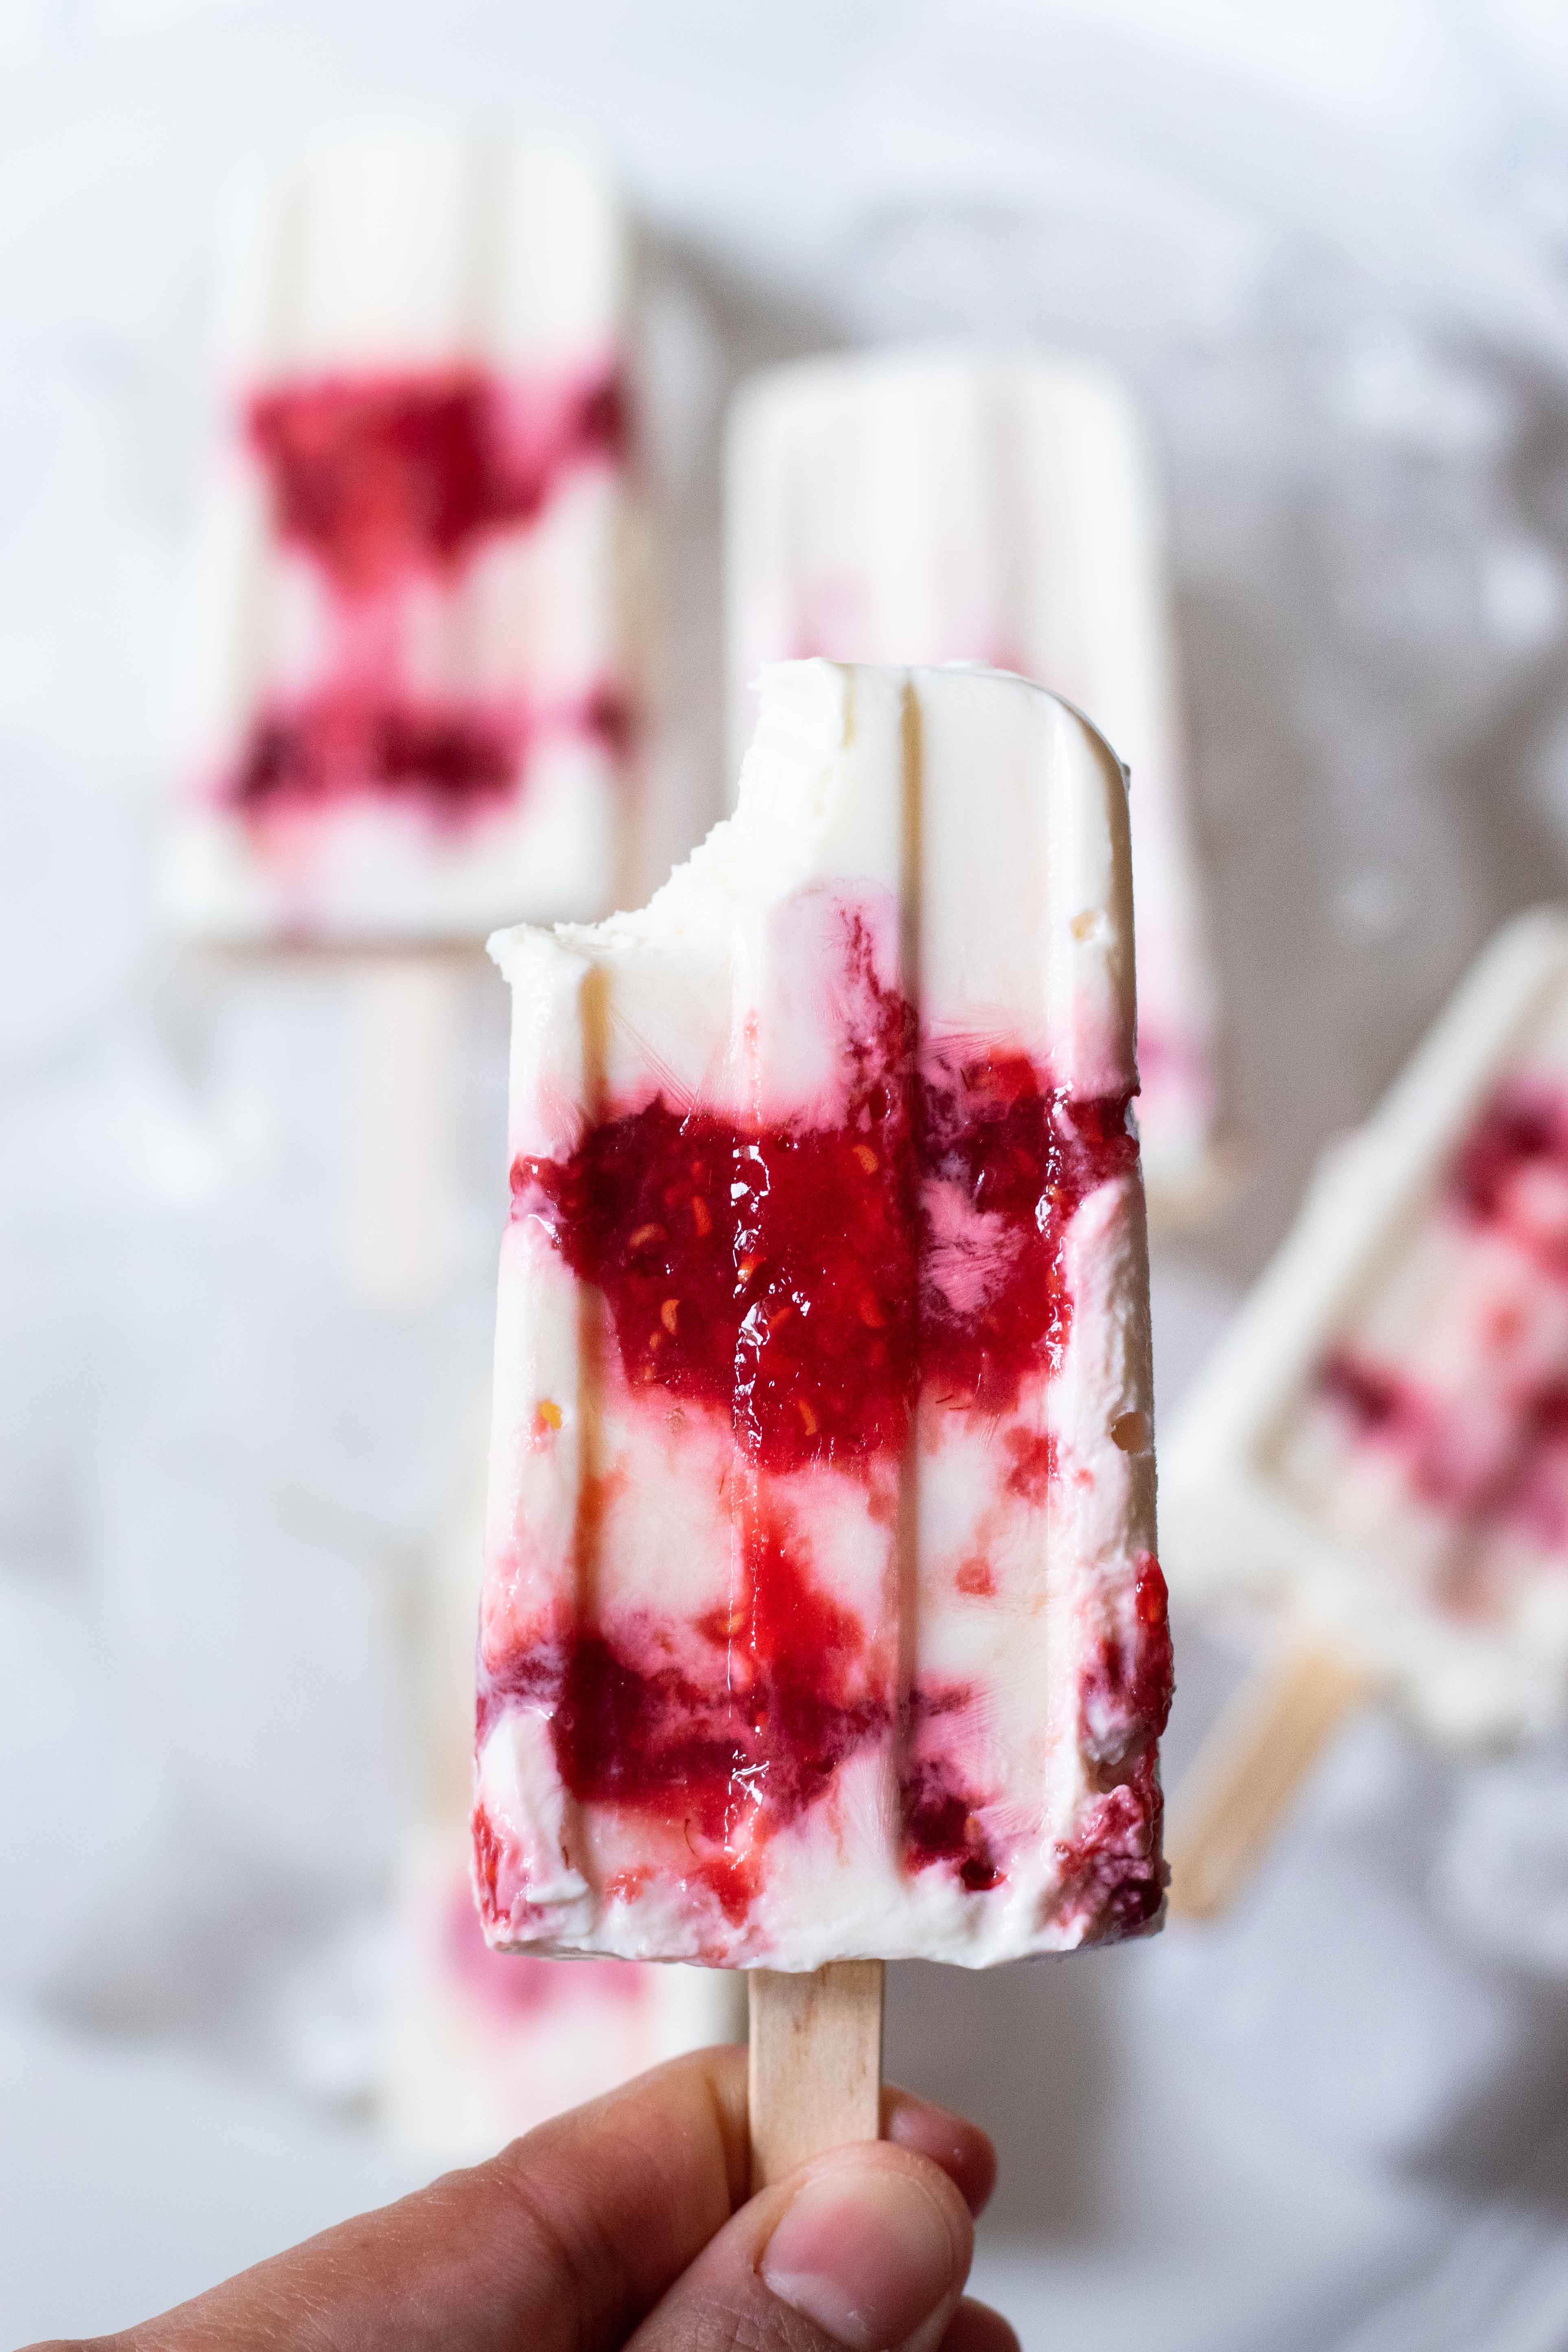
x: 866, y: 2251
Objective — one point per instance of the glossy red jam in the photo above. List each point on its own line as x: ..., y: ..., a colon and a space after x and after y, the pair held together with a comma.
x: 807, y: 1282
x: 733, y: 1747
x: 792, y: 1694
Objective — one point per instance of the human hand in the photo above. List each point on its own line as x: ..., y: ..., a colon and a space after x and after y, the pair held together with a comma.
x: 625, y: 2227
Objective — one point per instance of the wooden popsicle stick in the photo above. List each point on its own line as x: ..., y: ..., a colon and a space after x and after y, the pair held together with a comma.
x: 406, y: 1015
x: 1254, y: 1758
x: 816, y: 2078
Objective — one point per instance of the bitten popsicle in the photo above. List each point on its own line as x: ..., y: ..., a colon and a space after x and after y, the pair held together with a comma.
x: 1379, y: 1449
x: 821, y: 1619
x: 944, y: 506
x: 411, y: 677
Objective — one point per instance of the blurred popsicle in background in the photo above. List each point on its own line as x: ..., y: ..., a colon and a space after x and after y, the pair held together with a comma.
x: 411, y: 676
x: 412, y: 670
x: 938, y: 506
x: 412, y: 713
x: 1378, y: 1451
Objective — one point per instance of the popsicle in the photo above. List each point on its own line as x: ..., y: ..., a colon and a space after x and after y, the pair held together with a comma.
x: 822, y: 1621
x: 411, y: 674
x: 933, y: 505
x: 1378, y: 1452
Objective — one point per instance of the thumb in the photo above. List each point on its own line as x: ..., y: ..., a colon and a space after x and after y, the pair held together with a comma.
x: 867, y: 2248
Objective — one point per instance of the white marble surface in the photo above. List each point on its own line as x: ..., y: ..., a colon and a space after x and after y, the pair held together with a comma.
x: 1331, y: 247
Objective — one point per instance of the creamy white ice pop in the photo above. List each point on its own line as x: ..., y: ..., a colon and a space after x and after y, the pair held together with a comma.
x: 1382, y: 1441
x: 411, y: 690
x: 822, y: 1617
x: 928, y: 506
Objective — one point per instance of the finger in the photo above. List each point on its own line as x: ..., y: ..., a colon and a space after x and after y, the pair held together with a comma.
x: 961, y: 2147
x: 562, y: 2242
x: 566, y: 2239
x: 976, y: 2328
x: 867, y: 2248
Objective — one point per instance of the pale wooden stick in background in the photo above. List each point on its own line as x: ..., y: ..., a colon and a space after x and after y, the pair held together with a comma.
x: 1254, y: 1758
x: 406, y: 1010
x: 816, y: 2079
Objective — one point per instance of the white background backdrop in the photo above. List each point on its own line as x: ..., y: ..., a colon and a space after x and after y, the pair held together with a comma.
x: 1331, y: 247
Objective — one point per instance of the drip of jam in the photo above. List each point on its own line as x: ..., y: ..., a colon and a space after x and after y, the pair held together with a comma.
x: 374, y: 476
x: 451, y: 758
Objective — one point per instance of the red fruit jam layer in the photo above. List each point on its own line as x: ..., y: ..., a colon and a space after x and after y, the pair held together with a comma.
x: 454, y: 760
x: 715, y: 1757
x: 1506, y: 1469
x: 944, y: 1817
x: 377, y: 474
x: 1511, y: 1174
x: 806, y: 1283
x: 782, y: 1688
x: 1114, y: 1871
x: 1497, y: 1459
